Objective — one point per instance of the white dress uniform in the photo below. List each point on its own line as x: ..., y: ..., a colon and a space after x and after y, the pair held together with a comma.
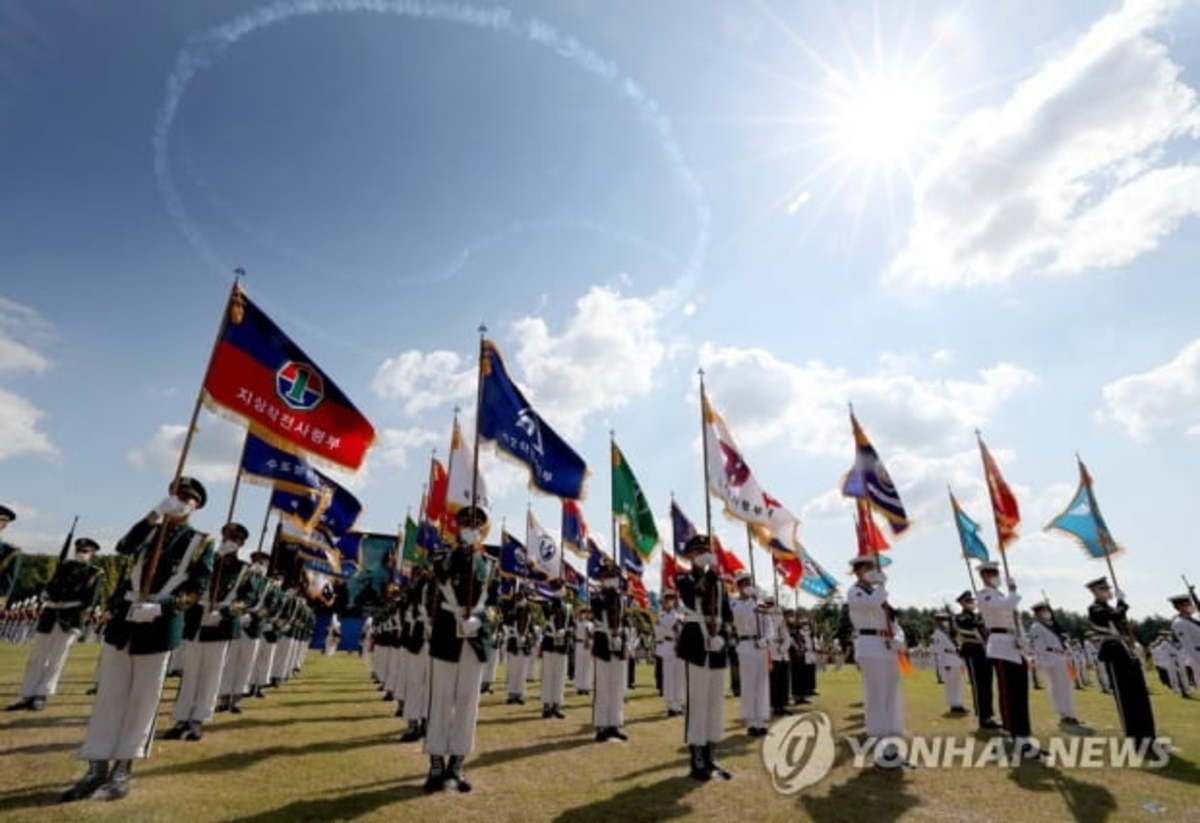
x: 874, y: 650
x: 1052, y: 658
x: 47, y: 657
x: 1091, y: 649
x: 1187, y: 633
x: 752, y: 629
x: 673, y: 676
x: 1166, y: 660
x: 583, y: 655
x: 949, y: 667
x: 415, y: 669
x: 243, y: 652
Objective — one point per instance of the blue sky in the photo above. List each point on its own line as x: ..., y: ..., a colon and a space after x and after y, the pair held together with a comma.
x: 944, y: 214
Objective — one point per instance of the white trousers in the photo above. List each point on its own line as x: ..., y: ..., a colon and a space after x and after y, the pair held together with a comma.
x: 608, y: 700
x: 881, y: 696
x: 952, y: 683
x: 416, y: 684
x: 122, y: 722
x: 263, y: 663
x: 489, y: 668
x: 674, y: 682
x: 281, y: 664
x: 705, y: 705
x: 554, y: 678
x: 203, y: 665
x: 239, y: 666
x: 46, y: 660
x: 756, y: 686
x: 453, y: 704
x: 518, y: 672
x: 399, y: 660
x: 583, y: 668
x: 1062, y: 691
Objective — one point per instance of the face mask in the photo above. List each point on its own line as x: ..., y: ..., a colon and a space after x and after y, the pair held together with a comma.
x: 706, y: 560
x: 609, y: 583
x: 470, y: 536
x: 227, y: 547
x: 260, y: 568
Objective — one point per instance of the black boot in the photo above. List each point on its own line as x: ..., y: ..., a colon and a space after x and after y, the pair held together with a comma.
x: 38, y: 704
x: 95, y: 777
x: 388, y: 697
x: 234, y: 708
x: 556, y: 710
x: 546, y: 710
x: 399, y: 710
x: 715, y: 768
x: 258, y: 691
x: 194, y: 731
x: 117, y: 786
x: 616, y: 733
x: 412, y: 734
x: 21, y: 705
x: 457, y: 775
x: 436, y: 780
x: 176, y: 731
x: 699, y: 769
x: 223, y: 703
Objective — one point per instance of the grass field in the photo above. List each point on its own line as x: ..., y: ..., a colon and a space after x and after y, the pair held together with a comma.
x: 324, y: 747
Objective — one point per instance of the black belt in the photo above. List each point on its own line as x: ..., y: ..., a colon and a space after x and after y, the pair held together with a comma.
x: 869, y: 632
x: 747, y: 637
x: 1000, y: 631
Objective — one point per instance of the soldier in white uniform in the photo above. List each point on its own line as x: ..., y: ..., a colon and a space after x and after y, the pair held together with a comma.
x: 1091, y: 649
x: 1186, y: 628
x: 665, y: 636
x: 583, y: 651
x: 1004, y: 649
x: 748, y: 623
x: 875, y: 652
x: 947, y: 662
x: 555, y: 645
x: 1164, y: 652
x: 1050, y: 650
x: 608, y: 647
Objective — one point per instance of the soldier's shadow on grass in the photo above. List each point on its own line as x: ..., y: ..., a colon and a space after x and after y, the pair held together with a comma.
x: 1184, y: 771
x: 658, y: 801
x: 884, y: 790
x: 341, y: 807
x: 1088, y: 802
x: 232, y: 761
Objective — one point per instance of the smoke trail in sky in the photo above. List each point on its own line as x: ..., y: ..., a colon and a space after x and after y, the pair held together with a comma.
x: 203, y: 49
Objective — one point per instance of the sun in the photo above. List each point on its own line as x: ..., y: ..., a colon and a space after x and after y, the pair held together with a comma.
x: 883, y: 121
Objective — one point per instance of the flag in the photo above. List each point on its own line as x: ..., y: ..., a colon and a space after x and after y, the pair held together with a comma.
x: 514, y: 560
x: 870, y: 481
x: 574, y: 529
x: 727, y: 561
x: 1004, y: 502
x: 968, y: 532
x: 870, y: 538
x: 637, y: 590
x: 596, y: 560
x: 631, y: 558
x: 789, y: 569
x: 544, y: 554
x: 629, y: 506
x: 349, y: 546
x: 319, y: 586
x: 313, y: 547
x: 507, y: 418
x: 1082, y: 520
x: 429, y: 538
x: 682, y: 529
x: 671, y: 568
x: 730, y: 479
x: 413, y: 552
x: 816, y: 581
x: 264, y: 463
x: 435, y: 497
x: 462, y: 474
x: 574, y: 581
x: 332, y: 507
x: 259, y: 375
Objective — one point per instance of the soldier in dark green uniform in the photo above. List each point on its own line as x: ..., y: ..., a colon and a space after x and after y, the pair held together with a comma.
x: 75, y: 589
x: 10, y: 559
x: 147, y: 623
x: 243, y: 651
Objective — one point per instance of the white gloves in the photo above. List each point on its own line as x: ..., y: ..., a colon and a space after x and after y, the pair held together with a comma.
x: 171, y: 507
x: 1120, y: 594
x: 211, y: 619
x: 716, y: 643
x: 761, y: 643
x: 245, y: 620
x: 144, y: 612
x: 470, y: 627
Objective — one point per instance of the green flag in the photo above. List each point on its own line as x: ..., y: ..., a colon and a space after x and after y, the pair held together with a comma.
x: 412, y: 552
x: 629, y: 504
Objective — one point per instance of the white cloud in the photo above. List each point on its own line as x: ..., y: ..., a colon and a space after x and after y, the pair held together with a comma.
x: 606, y: 355
x: 213, y: 457
x: 1065, y: 175
x: 804, y: 405
x: 395, y: 445
x: 19, y: 433
x: 1167, y: 395
x: 22, y: 331
x: 424, y: 380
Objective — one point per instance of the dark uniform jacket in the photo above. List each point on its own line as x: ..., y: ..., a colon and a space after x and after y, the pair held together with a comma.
x: 415, y: 629
x: 606, y: 625
x: 520, y: 624
x: 466, y: 574
x: 10, y: 567
x: 262, y: 607
x: 187, y: 557
x: 233, y: 581
x: 558, y: 619
x: 1110, y: 626
x: 76, y: 588
x: 702, y: 592
x: 972, y: 635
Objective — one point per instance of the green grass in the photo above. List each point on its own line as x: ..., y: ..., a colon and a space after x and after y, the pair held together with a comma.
x: 324, y: 747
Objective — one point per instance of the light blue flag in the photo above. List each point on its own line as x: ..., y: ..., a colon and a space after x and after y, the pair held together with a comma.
x: 968, y: 532
x: 1082, y: 520
x: 816, y: 581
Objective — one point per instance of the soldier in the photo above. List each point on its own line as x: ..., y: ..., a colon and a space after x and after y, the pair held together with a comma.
x: 278, y: 609
x: 1004, y: 649
x: 608, y: 649
x: 556, y: 644
x: 876, y: 655
x: 243, y: 649
x: 703, y: 646
x: 10, y: 560
x: 748, y: 623
x: 632, y: 639
x: 803, y: 656
x: 779, y: 647
x: 947, y: 663
x: 1050, y: 650
x: 75, y: 589
x: 972, y: 636
x: 415, y: 647
x: 458, y: 648
x: 518, y: 632
x: 1186, y: 630
x: 234, y: 589
x: 584, y: 666
x: 665, y: 634
x: 147, y: 623
x: 1119, y: 661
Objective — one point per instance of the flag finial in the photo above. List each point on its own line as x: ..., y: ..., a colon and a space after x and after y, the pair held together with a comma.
x: 482, y: 329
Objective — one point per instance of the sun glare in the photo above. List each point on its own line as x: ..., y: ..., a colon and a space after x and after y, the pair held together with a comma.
x: 883, y: 120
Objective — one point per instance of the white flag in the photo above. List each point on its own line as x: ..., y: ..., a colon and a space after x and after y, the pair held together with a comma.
x: 544, y: 553
x: 462, y: 466
x: 730, y: 479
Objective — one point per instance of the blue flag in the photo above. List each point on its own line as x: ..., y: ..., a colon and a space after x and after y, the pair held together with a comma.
x: 1082, y: 520
x: 968, y: 532
x: 631, y: 559
x: 682, y: 529
x: 262, y: 462
x: 508, y: 419
x: 816, y: 581
x: 333, y: 508
x: 514, y: 560
x: 869, y: 480
x: 596, y: 560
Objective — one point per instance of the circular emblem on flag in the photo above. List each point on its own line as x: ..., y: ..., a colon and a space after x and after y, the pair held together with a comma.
x: 300, y: 386
x: 546, y: 550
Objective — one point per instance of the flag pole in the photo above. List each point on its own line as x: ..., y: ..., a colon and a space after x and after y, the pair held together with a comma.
x: 262, y: 535
x: 754, y: 582
x: 612, y: 514
x: 474, y: 468
x: 704, y: 449
x: 674, y: 556
x: 237, y: 480
x: 152, y: 565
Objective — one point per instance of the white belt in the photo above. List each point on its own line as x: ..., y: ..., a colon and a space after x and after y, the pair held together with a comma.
x: 69, y: 604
